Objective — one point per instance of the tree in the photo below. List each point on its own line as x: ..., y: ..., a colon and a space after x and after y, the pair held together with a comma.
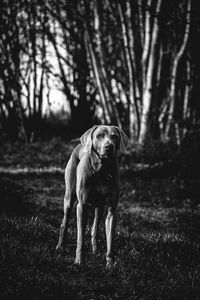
x: 127, y: 63
x: 10, y: 69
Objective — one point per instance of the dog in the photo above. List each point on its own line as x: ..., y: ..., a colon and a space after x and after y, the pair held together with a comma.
x: 92, y: 176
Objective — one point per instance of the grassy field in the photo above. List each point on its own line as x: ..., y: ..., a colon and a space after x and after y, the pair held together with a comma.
x: 157, y: 238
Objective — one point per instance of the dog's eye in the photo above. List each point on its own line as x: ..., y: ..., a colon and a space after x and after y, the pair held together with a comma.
x: 114, y: 136
x: 100, y: 135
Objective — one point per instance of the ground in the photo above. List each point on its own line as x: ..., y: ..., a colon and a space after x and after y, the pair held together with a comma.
x: 157, y: 236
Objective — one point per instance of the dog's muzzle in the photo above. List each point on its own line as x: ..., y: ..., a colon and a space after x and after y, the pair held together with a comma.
x: 108, y: 151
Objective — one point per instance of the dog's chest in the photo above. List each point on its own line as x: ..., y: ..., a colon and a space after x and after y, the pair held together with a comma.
x: 104, y: 186
x: 103, y: 189
x: 103, y: 182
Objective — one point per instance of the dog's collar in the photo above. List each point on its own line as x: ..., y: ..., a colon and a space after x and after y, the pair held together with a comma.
x: 97, y: 154
x: 91, y: 166
x: 99, y: 157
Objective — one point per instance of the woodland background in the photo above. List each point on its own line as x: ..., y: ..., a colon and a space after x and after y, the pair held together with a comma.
x: 134, y: 64
x: 66, y: 65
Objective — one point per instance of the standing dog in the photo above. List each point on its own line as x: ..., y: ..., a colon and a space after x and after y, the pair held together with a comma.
x: 92, y: 176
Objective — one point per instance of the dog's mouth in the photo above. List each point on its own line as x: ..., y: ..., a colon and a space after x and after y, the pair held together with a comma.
x: 108, y: 153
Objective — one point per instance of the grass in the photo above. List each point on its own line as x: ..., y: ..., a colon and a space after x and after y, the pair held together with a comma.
x: 157, y: 241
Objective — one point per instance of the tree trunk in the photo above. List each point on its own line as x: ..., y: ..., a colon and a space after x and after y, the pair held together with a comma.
x: 146, y: 47
x: 132, y: 111
x: 136, y: 96
x: 34, y: 57
x: 19, y: 116
x: 103, y: 74
x: 88, y: 45
x: 186, y: 110
x: 40, y: 96
x: 148, y: 83
x: 140, y: 21
x: 176, y: 60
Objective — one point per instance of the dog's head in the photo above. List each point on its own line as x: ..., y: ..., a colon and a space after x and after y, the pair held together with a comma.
x: 105, y: 140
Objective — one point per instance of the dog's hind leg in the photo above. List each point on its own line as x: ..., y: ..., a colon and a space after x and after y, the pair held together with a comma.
x: 68, y: 205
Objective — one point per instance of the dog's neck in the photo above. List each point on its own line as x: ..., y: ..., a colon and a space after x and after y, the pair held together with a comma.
x: 100, y: 157
x: 100, y: 163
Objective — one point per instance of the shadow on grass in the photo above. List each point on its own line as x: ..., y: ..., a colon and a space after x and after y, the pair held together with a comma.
x: 13, y: 196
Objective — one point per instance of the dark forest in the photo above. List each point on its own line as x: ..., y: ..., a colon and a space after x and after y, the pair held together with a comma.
x: 65, y: 66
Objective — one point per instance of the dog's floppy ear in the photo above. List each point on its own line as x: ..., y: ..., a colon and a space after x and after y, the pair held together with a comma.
x: 86, y: 138
x: 124, y: 142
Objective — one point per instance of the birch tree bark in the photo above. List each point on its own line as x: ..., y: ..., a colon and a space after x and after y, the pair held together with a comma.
x: 129, y: 60
x: 146, y: 46
x: 88, y: 45
x: 186, y: 110
x: 140, y: 21
x: 148, y: 68
x: 103, y: 74
x: 176, y: 61
x: 133, y: 104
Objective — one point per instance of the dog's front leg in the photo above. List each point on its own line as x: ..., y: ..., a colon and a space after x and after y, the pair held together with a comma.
x: 81, y: 227
x: 95, y: 228
x: 110, y: 225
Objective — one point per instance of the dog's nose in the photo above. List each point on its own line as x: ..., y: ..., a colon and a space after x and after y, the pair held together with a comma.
x: 109, y: 147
